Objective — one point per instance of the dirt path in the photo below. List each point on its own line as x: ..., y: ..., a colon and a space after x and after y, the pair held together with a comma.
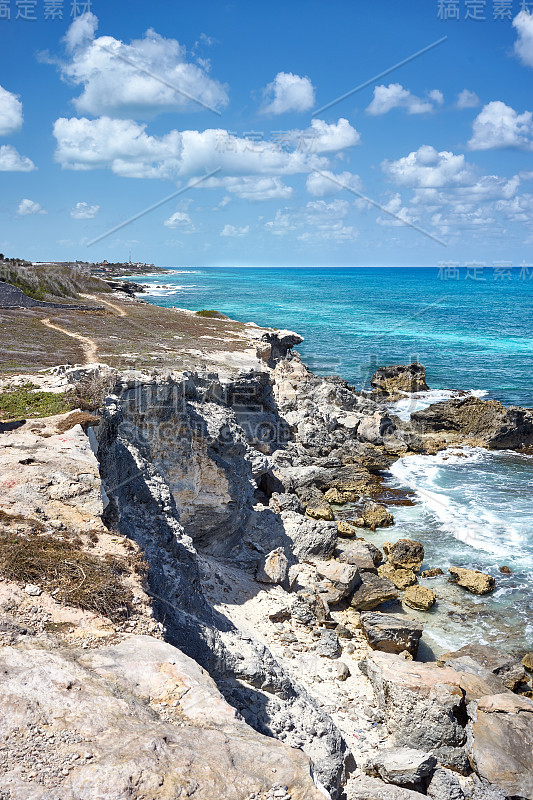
x: 120, y: 311
x: 89, y: 345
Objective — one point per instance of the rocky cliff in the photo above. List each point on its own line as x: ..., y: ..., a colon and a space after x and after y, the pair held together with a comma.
x: 226, y: 485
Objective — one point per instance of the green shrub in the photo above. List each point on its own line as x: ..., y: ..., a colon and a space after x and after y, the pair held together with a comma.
x: 211, y: 313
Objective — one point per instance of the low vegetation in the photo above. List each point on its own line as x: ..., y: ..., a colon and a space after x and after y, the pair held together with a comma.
x: 24, y: 403
x: 210, y: 314
x: 51, y: 281
x: 60, y: 566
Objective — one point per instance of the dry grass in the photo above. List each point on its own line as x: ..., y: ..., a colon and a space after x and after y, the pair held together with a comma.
x: 74, y: 577
x: 90, y: 393
x: 50, y: 282
x: 82, y: 418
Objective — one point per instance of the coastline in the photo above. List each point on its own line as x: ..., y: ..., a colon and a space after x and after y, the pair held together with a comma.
x: 250, y: 556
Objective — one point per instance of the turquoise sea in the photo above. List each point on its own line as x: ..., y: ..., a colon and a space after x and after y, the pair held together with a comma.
x: 473, y: 333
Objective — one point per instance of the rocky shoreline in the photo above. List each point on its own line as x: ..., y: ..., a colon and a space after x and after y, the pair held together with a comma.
x: 267, y: 650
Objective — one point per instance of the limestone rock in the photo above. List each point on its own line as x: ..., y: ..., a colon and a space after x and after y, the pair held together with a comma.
x: 360, y: 554
x: 375, y: 515
x: 419, y: 597
x: 444, y: 785
x: 367, y: 788
x: 403, y: 766
x: 487, y: 422
x: 317, y: 507
x: 527, y: 661
x: 503, y: 743
x: 110, y: 706
x: 309, y: 537
x: 285, y: 502
x: 373, y: 428
x: 339, y: 580
x: 508, y: 669
x: 391, y: 633
x: 372, y: 592
x: 33, y: 590
x: 400, y: 378
x: 274, y: 568
x: 434, y: 572
x: 471, y: 579
x: 346, y: 528
x: 328, y: 645
x: 401, y: 578
x: 309, y: 608
x: 405, y: 554
x: 423, y: 704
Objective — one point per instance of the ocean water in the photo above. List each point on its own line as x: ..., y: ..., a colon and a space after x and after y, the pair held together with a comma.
x: 473, y: 507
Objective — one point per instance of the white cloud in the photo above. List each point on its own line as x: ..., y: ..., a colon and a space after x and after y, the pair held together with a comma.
x: 231, y: 230
x: 500, y: 126
x: 395, y: 96
x: 428, y: 168
x: 12, y: 161
x: 325, y: 183
x: 10, y: 112
x: 318, y: 222
x: 467, y: 99
x: 523, y: 46
x: 84, y: 211
x: 403, y: 214
x: 140, y: 79
x: 124, y: 147
x: 250, y: 187
x: 180, y: 220
x: 288, y: 92
x: 27, y: 207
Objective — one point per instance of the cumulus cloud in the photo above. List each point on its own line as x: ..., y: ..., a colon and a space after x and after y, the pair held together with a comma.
x: 181, y: 220
x: 395, y: 96
x: 140, y: 79
x: 84, y: 211
x: 403, y: 215
x: 12, y: 161
x: 523, y: 46
x: 288, y: 92
x: 318, y: 222
x: 500, y: 126
x: 235, y: 232
x: 10, y: 112
x: 250, y: 187
x: 467, y: 99
x: 124, y: 147
x: 325, y: 183
x: 27, y: 207
x: 428, y: 168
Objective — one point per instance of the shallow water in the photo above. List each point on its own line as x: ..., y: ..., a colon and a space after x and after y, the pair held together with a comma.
x: 473, y: 511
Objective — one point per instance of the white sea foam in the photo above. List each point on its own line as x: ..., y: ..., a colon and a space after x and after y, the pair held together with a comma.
x: 460, y: 501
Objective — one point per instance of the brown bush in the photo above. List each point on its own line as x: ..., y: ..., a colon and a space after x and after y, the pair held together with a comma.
x: 82, y: 418
x: 76, y: 578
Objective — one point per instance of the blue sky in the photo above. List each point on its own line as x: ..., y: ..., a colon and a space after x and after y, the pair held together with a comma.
x: 104, y: 116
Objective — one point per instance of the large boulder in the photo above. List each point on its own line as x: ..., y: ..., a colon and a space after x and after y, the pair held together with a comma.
x: 445, y: 785
x: 367, y: 788
x: 473, y: 580
x: 273, y: 568
x: 316, y: 506
x: 502, y: 743
x: 405, y: 554
x: 338, y: 580
x: 391, y: 633
x: 309, y: 537
x: 423, y: 704
x: 138, y: 719
x: 375, y: 515
x: 485, y: 422
x: 403, y: 766
x: 400, y: 378
x: 375, y: 427
x: 372, y: 592
x: 401, y: 578
x: 361, y: 554
x: 419, y: 597
x: 508, y: 669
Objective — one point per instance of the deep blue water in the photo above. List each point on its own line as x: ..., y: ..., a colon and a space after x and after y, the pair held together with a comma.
x: 469, y: 334
x: 474, y: 509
